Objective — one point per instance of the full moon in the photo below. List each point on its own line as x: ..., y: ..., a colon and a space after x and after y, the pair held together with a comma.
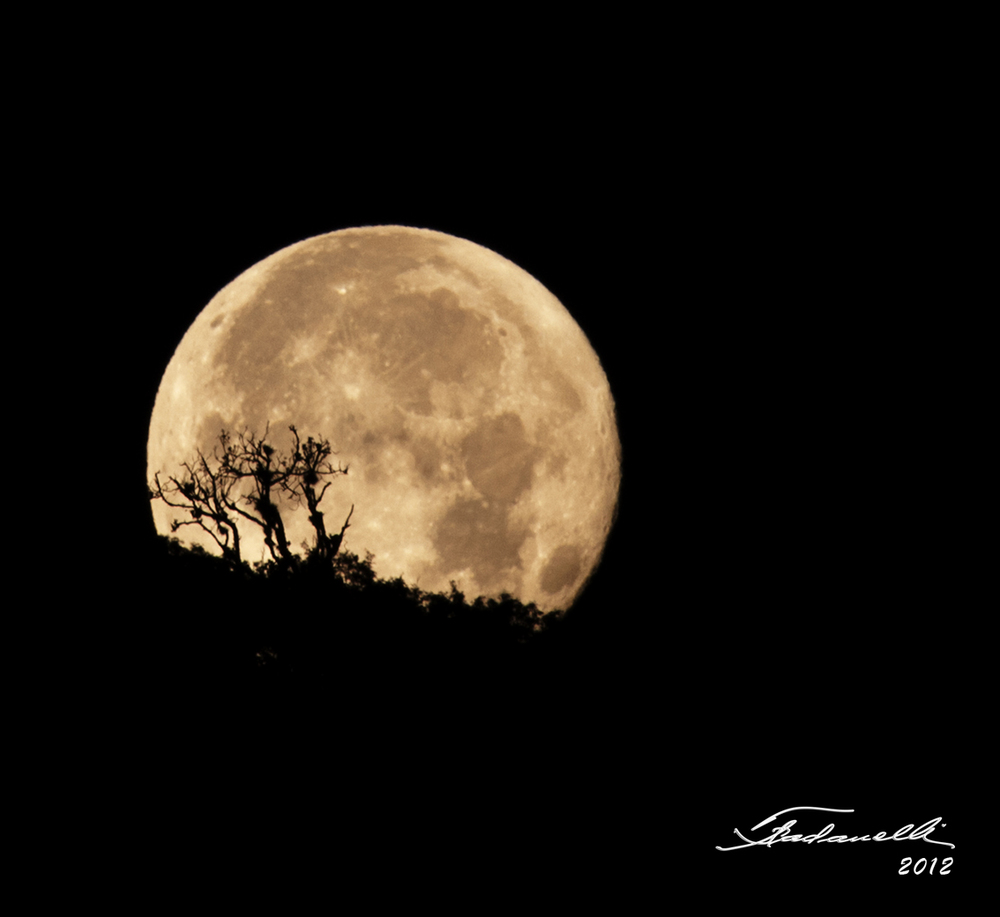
x: 474, y: 415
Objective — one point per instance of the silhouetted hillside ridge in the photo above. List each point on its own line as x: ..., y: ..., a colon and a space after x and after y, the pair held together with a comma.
x: 326, y: 622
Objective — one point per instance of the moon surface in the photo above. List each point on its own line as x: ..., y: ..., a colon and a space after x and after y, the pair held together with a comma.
x: 473, y: 413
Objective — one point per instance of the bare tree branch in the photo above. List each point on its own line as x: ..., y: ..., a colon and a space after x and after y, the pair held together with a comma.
x: 213, y: 491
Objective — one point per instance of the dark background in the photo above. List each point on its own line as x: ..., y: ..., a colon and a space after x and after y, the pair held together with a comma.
x: 511, y: 778
x: 783, y: 611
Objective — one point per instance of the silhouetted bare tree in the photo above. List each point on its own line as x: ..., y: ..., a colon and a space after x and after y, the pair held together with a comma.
x: 242, y: 480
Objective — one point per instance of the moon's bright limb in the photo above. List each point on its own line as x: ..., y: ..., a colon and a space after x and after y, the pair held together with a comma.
x: 475, y: 416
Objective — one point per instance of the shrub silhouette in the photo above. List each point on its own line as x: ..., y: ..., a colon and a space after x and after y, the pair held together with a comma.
x: 325, y: 621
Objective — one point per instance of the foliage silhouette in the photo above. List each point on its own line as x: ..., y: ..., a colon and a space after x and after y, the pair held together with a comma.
x: 325, y: 619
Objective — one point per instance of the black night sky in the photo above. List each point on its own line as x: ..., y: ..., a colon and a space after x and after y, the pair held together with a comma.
x: 778, y: 621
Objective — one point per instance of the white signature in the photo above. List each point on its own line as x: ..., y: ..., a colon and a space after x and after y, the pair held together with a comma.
x: 783, y: 833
